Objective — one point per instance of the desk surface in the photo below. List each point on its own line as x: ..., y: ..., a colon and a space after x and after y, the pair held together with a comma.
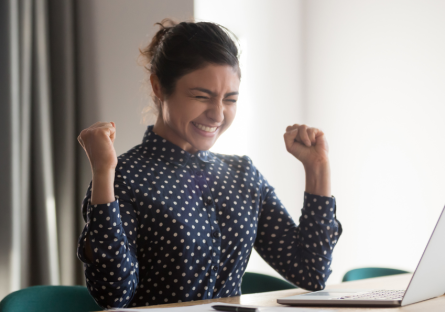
x: 270, y: 298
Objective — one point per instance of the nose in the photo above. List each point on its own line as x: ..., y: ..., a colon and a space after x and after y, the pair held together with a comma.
x: 216, y: 111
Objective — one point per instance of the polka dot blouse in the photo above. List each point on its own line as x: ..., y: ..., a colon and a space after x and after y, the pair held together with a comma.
x: 183, y: 227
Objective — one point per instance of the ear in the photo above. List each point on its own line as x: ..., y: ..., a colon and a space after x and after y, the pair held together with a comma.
x: 156, y: 86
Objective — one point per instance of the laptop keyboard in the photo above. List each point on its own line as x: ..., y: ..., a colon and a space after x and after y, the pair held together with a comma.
x: 377, y: 295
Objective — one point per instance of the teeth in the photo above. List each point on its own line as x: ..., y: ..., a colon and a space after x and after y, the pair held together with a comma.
x: 207, y: 129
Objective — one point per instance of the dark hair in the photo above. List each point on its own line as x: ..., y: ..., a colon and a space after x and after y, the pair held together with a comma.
x: 178, y: 49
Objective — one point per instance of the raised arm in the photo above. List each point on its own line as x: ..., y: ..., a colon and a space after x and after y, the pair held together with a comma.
x: 301, y: 253
x: 107, y: 245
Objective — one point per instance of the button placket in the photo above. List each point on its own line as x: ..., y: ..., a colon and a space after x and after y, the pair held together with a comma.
x: 215, y: 241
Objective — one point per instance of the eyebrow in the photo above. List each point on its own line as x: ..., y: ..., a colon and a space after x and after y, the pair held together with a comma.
x: 213, y: 93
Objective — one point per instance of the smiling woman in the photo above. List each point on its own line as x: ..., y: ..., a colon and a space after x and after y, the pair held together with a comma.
x: 170, y: 221
x: 201, y: 108
x: 195, y: 76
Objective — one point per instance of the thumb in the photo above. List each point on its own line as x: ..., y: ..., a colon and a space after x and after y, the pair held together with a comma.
x: 113, y: 132
x: 289, y: 137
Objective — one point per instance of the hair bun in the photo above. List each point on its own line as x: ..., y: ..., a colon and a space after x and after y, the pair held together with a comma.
x: 150, y: 50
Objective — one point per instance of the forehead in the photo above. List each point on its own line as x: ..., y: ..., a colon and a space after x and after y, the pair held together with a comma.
x: 212, y: 77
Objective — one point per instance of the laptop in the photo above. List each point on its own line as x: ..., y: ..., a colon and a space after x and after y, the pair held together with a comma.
x: 428, y: 281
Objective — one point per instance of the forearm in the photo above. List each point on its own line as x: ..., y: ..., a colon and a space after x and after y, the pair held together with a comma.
x: 114, y: 271
x: 302, y: 254
x: 102, y: 191
x: 109, y: 254
x: 317, y: 235
x: 318, y: 179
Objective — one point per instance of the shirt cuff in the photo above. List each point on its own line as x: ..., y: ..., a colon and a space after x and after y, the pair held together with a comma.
x: 103, y: 218
x: 320, y: 205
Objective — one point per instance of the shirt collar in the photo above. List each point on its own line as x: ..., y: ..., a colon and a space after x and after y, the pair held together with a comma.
x: 159, y: 147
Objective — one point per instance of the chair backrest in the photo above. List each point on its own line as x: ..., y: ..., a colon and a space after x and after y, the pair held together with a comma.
x: 50, y: 299
x: 362, y: 273
x: 257, y: 283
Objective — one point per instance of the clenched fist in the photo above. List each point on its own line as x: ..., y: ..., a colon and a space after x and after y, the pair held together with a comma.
x: 307, y: 144
x: 97, y: 141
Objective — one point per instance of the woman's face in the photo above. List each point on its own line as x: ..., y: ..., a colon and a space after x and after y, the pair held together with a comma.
x: 200, y: 109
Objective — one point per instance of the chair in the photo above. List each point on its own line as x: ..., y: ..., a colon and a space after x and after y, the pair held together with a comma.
x: 362, y: 273
x: 49, y: 299
x: 258, y: 283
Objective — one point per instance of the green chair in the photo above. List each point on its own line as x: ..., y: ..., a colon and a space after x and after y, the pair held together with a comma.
x: 50, y: 299
x: 362, y: 273
x: 258, y: 283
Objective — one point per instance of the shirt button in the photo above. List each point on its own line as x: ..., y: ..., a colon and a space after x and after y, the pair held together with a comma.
x: 215, y: 234
x: 209, y: 202
x: 214, y: 268
x: 199, y: 173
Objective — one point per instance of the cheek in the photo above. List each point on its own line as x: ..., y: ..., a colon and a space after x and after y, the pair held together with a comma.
x: 231, y: 112
x: 181, y: 109
x: 189, y: 111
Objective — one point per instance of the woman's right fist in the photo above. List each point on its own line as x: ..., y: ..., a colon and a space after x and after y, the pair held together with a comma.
x: 97, y: 141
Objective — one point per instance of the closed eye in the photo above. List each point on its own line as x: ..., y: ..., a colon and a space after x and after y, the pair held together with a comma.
x: 231, y: 100
x: 201, y: 97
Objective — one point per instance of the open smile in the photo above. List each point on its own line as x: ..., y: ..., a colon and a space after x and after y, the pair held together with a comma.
x: 204, y: 127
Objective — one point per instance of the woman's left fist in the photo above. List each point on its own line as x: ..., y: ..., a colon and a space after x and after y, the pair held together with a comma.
x: 307, y: 144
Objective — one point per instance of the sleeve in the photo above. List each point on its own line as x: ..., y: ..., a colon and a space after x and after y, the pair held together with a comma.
x: 112, y: 276
x: 302, y: 253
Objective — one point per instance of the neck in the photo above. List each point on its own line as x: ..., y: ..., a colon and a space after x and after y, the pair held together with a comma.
x: 164, y: 131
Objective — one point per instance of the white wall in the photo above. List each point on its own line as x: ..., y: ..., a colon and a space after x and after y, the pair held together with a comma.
x: 374, y: 81
x: 371, y: 74
x: 270, y: 93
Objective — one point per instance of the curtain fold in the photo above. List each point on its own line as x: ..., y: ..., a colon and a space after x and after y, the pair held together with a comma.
x: 64, y: 134
x: 25, y: 137
x: 43, y: 155
x: 38, y: 117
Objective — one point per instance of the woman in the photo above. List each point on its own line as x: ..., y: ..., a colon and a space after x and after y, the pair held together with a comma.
x: 170, y: 221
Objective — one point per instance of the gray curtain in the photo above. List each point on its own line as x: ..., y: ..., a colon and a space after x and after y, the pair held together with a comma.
x: 40, y: 219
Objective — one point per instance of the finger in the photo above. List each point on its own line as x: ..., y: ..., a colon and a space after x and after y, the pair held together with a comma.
x: 97, y: 124
x: 290, y: 128
x: 112, y: 132
x: 79, y: 139
x: 108, y: 127
x: 303, y: 135
x: 312, y: 134
x: 289, y: 138
x: 319, y: 133
x: 100, y: 124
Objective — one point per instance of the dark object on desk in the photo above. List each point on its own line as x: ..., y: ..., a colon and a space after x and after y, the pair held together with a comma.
x: 362, y: 273
x: 50, y: 299
x: 233, y: 309
x: 258, y: 283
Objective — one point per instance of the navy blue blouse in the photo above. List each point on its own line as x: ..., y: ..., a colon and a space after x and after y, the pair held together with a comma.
x: 183, y: 226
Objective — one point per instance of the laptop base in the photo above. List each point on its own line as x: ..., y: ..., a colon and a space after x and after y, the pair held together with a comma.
x: 332, y: 298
